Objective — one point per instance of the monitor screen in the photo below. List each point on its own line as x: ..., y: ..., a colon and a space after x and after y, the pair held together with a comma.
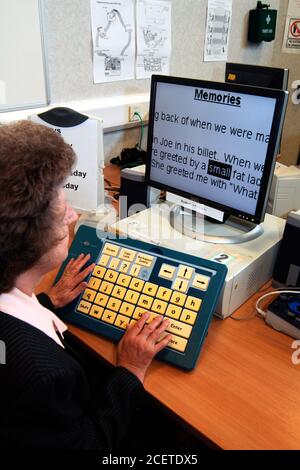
x: 214, y: 142
x: 257, y: 75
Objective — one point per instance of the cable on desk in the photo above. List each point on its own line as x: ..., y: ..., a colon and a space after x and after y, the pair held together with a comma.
x: 262, y: 313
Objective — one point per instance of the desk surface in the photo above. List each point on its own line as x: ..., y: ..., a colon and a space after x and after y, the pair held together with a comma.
x: 244, y: 391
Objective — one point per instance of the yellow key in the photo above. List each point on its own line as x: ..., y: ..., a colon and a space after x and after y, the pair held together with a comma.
x: 101, y: 299
x: 122, y: 321
x: 108, y: 316
x: 114, y: 263
x: 181, y: 285
x: 179, y: 328
x: 124, y: 266
x: 114, y: 304
x: 84, y: 307
x: 164, y: 293
x: 119, y: 292
x: 137, y: 284
x: 127, y: 255
x: 124, y: 280
x: 126, y: 309
x: 167, y: 271
x: 145, y: 301
x: 94, y: 283
x: 193, y: 303
x: 179, y: 344
x: 144, y: 260
x: 110, y: 249
x: 135, y: 269
x: 188, y: 316
x: 103, y: 260
x: 178, y: 298
x: 159, y: 306
x: 111, y: 275
x: 99, y: 271
x: 150, y: 288
x: 139, y: 311
x: 173, y: 311
x: 106, y: 287
x: 133, y: 321
x: 89, y: 295
x: 132, y: 296
x: 185, y: 271
x: 201, y: 282
x: 96, y: 312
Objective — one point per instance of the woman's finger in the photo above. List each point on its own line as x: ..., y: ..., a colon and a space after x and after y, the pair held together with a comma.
x: 69, y: 265
x: 80, y: 262
x: 157, y: 333
x: 151, y: 327
x: 139, y: 325
x: 77, y: 291
x: 84, y: 273
x: 163, y: 343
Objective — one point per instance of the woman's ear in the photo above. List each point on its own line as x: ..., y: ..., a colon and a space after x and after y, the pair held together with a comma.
x: 70, y: 215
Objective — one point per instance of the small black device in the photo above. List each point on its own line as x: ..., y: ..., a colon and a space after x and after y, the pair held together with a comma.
x: 262, y: 23
x: 283, y: 314
x: 257, y: 75
x: 287, y: 266
x: 135, y: 189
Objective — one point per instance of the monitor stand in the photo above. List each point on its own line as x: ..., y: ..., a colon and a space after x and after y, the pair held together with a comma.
x: 195, y: 225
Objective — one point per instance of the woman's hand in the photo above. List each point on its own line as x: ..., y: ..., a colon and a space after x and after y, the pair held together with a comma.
x: 140, y: 344
x: 71, y: 283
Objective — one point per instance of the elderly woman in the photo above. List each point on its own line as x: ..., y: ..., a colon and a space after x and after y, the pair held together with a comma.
x: 47, y: 399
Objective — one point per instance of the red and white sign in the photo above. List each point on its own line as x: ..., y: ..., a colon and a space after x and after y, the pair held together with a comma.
x: 291, y: 41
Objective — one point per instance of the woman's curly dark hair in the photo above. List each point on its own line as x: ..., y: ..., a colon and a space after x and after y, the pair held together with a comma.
x: 34, y: 163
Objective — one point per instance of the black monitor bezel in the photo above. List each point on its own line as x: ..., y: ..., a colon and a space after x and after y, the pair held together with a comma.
x: 266, y: 180
x: 259, y: 70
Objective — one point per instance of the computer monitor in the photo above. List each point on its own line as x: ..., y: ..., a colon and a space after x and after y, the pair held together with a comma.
x: 214, y: 144
x: 257, y: 75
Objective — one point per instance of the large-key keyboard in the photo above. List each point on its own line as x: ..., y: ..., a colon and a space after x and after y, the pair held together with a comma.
x: 132, y: 277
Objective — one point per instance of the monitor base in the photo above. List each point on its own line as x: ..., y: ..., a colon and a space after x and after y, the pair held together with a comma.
x: 195, y: 225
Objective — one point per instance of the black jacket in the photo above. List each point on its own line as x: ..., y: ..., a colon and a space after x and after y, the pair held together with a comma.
x: 47, y: 399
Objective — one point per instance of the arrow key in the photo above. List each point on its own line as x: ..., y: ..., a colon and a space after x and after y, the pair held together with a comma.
x: 201, y: 282
x: 167, y: 271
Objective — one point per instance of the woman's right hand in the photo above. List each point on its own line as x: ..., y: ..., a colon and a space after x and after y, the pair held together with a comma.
x: 140, y: 344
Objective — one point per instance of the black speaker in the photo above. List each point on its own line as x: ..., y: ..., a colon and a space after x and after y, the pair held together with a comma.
x: 287, y: 265
x: 135, y: 194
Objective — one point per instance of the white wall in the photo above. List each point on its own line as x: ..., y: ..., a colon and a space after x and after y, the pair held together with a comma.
x: 69, y: 51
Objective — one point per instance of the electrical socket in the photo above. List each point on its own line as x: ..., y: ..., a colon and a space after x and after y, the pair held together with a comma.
x: 141, y: 108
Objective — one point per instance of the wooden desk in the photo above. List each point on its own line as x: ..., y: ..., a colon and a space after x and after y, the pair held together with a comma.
x: 244, y: 392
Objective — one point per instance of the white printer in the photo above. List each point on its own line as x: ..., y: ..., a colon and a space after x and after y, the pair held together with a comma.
x: 285, y: 191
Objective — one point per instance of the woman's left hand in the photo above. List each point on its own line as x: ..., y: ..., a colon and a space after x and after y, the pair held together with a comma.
x: 71, y: 283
